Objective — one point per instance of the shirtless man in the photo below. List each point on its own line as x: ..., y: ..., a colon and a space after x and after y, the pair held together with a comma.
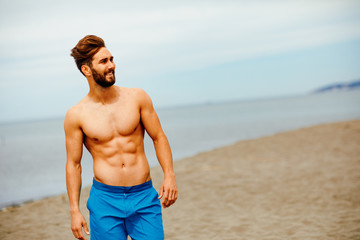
x: 110, y: 121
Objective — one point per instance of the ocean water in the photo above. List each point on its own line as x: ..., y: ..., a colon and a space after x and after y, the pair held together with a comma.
x: 33, y: 157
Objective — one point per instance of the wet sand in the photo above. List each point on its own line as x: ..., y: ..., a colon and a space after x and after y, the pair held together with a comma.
x: 302, y: 184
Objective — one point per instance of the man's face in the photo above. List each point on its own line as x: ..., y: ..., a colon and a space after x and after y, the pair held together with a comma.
x: 103, y: 68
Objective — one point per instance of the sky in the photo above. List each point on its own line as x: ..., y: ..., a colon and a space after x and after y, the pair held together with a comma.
x: 180, y: 52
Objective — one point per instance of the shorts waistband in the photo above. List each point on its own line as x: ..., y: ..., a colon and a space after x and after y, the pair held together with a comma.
x: 121, y: 189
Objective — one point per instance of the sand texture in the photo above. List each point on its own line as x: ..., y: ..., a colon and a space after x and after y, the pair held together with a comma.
x: 302, y: 184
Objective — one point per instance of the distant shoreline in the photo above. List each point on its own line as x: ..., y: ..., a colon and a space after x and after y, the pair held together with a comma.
x: 337, y: 87
x: 199, y: 104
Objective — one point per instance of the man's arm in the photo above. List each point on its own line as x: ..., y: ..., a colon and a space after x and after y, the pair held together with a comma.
x: 74, y: 141
x: 152, y: 126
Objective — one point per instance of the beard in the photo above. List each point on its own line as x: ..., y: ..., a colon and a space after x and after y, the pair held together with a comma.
x: 101, y: 80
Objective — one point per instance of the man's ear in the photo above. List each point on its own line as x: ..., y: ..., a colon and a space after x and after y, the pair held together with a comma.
x: 85, y: 69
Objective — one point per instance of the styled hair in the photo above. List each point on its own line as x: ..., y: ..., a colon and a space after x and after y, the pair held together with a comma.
x: 86, y: 48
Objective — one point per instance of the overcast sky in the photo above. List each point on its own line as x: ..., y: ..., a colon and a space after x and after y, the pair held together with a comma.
x: 180, y: 52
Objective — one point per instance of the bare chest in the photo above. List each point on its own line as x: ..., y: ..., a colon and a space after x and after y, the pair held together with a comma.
x: 105, y: 123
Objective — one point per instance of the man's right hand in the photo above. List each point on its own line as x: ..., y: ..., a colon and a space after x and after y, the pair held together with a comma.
x: 78, y: 222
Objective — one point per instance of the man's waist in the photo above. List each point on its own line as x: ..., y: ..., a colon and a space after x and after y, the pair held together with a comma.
x: 122, y: 189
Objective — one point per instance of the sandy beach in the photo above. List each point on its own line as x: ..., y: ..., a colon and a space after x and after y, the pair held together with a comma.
x: 302, y: 184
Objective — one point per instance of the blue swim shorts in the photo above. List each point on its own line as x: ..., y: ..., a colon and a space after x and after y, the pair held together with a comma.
x: 116, y: 212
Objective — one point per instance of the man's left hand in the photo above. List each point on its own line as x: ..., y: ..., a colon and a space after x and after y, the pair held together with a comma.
x: 168, y: 190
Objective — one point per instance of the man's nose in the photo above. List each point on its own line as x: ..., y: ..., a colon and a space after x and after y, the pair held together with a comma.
x: 111, y: 65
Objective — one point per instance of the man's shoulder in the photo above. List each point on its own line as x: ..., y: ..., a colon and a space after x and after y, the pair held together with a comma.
x: 133, y: 90
x: 74, y: 113
x: 77, y: 107
x: 138, y: 94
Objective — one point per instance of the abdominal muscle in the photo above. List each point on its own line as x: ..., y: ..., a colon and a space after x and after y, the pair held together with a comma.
x: 119, y: 162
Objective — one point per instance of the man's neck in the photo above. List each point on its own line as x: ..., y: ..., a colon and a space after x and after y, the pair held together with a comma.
x: 103, y: 95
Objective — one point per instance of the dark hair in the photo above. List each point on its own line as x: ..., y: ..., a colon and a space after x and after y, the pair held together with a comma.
x: 86, y: 48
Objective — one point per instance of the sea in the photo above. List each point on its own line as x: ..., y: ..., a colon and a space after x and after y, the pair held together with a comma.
x: 33, y: 155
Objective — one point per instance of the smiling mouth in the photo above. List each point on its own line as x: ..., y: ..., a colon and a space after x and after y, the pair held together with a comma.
x: 110, y: 73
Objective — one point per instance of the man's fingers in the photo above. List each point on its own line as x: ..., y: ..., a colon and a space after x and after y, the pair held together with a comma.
x: 168, y: 192
x: 79, y: 235
x: 75, y: 232
x: 86, y: 229
x: 170, y: 199
x: 172, y: 196
x: 78, y: 232
x: 161, y: 192
x: 166, y: 198
x: 78, y: 222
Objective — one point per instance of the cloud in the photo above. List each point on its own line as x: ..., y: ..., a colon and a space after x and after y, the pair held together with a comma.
x: 187, y: 26
x: 153, y: 38
x: 190, y: 38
